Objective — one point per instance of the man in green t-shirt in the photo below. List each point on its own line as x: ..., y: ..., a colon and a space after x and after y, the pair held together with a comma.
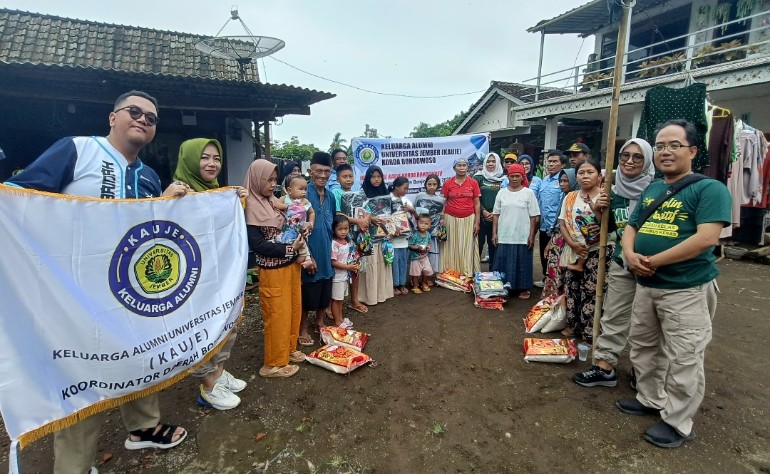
x: 671, y: 255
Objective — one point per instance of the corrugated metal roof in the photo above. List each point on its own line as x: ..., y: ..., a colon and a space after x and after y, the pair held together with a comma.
x: 586, y: 19
x: 98, y: 85
x: 27, y: 37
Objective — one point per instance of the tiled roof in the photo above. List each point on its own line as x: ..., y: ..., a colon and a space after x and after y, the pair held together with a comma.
x: 51, y: 40
x: 522, y: 92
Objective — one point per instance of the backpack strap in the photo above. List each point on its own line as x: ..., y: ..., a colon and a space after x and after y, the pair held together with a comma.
x: 645, y: 213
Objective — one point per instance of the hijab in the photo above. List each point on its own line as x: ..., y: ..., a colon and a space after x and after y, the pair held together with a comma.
x: 531, y: 165
x: 458, y: 161
x: 494, y: 176
x: 370, y: 190
x: 631, y: 188
x: 259, y: 210
x: 571, y: 175
x: 517, y: 168
x: 286, y: 171
x: 188, y: 168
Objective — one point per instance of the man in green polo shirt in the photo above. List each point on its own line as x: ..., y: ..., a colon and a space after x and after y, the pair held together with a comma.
x: 671, y: 255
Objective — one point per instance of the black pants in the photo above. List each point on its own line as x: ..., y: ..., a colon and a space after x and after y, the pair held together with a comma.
x: 485, y: 234
x: 544, y: 239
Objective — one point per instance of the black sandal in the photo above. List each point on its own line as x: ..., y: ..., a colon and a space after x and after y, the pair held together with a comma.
x: 160, y: 437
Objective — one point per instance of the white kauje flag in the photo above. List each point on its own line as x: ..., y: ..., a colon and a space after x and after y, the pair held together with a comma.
x: 104, y: 301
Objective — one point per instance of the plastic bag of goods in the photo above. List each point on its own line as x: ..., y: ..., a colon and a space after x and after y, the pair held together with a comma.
x: 495, y: 302
x: 345, y: 337
x: 338, y: 358
x: 534, y: 319
x: 556, y: 318
x: 388, y: 253
x: 560, y: 351
x: 454, y: 280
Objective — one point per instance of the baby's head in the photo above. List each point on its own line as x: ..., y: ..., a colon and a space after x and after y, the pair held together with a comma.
x: 423, y: 222
x: 296, y: 186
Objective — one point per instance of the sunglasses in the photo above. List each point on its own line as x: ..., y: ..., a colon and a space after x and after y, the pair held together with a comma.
x: 136, y: 113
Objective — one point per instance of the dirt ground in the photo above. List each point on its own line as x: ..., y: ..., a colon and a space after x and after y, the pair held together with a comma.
x: 450, y: 392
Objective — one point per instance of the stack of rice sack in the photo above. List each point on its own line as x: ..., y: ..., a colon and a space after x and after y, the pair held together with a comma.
x: 489, y: 290
x: 454, y: 280
x: 548, y: 315
x: 342, y: 350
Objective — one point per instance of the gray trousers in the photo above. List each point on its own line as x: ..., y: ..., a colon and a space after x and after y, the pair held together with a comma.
x: 670, y: 330
x: 75, y: 447
x: 219, y: 358
x: 616, y: 317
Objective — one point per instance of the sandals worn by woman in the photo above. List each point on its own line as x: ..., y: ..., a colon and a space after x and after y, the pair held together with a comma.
x: 278, y: 372
x: 160, y: 437
x: 296, y: 357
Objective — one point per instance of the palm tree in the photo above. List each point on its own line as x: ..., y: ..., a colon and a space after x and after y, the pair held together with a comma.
x: 337, y: 142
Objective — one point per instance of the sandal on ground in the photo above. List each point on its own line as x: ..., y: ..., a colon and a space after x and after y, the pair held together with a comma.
x: 328, y: 314
x: 305, y: 341
x: 360, y: 307
x: 160, y: 437
x: 425, y: 287
x: 296, y: 357
x: 567, y: 332
x: 524, y: 295
x: 416, y: 290
x: 278, y: 372
x: 397, y: 292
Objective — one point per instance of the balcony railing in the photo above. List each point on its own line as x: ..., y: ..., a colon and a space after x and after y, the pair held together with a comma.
x: 694, y: 55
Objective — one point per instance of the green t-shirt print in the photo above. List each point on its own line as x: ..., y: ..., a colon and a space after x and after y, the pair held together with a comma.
x: 675, y: 221
x: 619, y: 208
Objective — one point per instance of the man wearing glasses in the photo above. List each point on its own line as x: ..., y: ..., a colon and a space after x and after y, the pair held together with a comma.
x: 108, y: 168
x: 671, y: 256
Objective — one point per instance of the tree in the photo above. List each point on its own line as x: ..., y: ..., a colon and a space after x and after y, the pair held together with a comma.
x: 292, y: 150
x: 338, y: 142
x: 443, y: 129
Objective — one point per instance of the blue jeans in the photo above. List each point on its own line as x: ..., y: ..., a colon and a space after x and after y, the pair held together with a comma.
x: 400, y: 266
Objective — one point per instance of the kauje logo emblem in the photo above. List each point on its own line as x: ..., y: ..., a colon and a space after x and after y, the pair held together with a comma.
x: 366, y: 154
x: 155, y: 268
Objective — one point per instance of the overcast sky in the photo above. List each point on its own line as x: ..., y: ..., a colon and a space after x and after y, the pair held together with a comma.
x: 424, y: 47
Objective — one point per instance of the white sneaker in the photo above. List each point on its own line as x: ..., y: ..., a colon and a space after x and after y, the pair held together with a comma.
x: 230, y: 383
x: 220, y: 397
x: 539, y: 284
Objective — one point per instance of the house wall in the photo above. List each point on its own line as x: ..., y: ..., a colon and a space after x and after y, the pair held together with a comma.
x: 756, y: 107
x: 494, y: 118
x: 239, y: 152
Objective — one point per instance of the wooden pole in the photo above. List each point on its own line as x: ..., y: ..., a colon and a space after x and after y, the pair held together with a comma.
x: 267, y: 140
x: 612, y: 126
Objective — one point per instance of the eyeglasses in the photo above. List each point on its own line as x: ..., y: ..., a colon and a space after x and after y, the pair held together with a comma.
x: 636, y: 158
x: 673, y: 146
x: 136, y: 113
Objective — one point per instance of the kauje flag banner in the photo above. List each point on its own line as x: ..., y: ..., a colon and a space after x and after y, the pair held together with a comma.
x: 105, y: 301
x: 416, y: 158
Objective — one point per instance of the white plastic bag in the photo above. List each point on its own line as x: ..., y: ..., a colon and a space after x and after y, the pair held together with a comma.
x: 556, y: 320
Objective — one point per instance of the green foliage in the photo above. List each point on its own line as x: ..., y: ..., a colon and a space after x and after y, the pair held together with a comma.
x: 338, y: 142
x: 443, y: 129
x: 293, y: 150
x: 437, y: 429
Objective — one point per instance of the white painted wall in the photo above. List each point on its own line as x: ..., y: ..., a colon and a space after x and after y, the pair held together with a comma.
x: 238, y: 153
x: 756, y: 107
x: 494, y: 118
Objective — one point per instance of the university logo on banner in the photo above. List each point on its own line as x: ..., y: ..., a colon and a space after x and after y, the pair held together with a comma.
x: 416, y: 158
x: 106, y: 300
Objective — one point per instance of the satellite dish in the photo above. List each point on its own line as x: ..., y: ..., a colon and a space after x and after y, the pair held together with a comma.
x: 240, y: 48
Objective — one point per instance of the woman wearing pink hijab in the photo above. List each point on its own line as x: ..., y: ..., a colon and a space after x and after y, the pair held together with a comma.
x: 515, y: 220
x: 279, y: 272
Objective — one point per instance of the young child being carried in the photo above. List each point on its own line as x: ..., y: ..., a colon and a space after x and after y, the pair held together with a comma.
x: 345, y: 262
x: 300, y: 215
x: 419, y: 246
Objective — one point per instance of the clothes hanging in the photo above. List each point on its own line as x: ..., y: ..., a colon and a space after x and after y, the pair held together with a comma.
x: 663, y: 103
x: 720, y: 144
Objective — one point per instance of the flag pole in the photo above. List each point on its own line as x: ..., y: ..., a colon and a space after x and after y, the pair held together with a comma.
x: 612, y: 126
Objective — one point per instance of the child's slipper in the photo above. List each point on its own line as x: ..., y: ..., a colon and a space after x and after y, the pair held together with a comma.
x: 425, y: 288
x: 416, y: 291
x: 305, y: 341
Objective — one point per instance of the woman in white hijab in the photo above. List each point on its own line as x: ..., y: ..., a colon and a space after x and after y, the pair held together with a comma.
x: 489, y: 179
x: 635, y: 172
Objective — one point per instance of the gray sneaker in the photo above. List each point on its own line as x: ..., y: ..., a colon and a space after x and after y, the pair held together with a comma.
x: 595, y: 377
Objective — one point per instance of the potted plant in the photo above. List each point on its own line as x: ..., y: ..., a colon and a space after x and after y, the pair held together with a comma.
x: 596, y: 80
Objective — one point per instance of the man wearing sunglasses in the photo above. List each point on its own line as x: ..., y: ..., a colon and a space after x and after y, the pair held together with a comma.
x: 108, y: 168
x: 671, y: 255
